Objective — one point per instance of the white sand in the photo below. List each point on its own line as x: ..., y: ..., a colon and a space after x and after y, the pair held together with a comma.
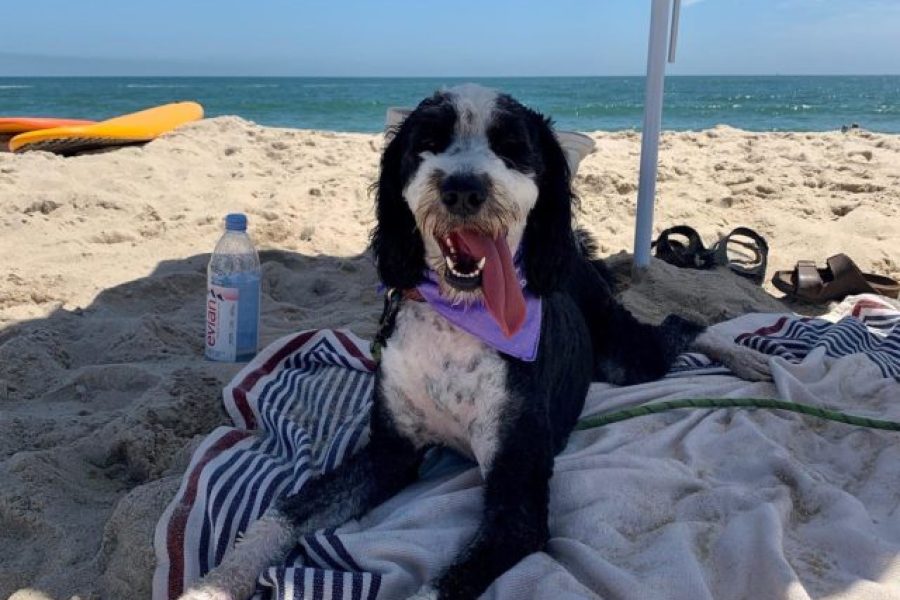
x: 103, y: 390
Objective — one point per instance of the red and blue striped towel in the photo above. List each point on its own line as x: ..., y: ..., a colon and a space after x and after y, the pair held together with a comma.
x: 301, y: 406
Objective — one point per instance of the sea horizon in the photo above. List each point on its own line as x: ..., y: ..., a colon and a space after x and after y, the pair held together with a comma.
x: 777, y: 102
x: 454, y: 77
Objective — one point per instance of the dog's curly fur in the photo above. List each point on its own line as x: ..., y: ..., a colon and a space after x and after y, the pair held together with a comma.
x: 437, y: 385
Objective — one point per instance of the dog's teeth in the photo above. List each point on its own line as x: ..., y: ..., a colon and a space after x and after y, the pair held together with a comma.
x: 449, y: 243
x: 453, y: 270
x: 481, y: 263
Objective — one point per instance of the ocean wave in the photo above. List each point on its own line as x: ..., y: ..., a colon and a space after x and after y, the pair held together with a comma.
x: 15, y: 87
x: 155, y: 85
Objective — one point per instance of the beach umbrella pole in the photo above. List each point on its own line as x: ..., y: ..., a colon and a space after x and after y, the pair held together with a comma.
x: 653, y: 101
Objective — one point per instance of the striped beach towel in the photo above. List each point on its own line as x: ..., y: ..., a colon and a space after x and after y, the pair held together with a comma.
x: 301, y: 407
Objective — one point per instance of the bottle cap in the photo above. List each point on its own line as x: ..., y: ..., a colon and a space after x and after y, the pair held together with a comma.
x: 236, y: 222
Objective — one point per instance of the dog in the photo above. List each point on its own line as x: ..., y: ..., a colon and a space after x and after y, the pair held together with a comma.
x: 501, y: 320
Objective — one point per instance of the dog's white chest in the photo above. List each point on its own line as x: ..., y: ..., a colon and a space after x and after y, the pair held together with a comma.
x: 443, y: 385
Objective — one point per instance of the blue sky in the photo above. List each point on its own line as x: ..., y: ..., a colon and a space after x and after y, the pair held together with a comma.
x: 427, y: 38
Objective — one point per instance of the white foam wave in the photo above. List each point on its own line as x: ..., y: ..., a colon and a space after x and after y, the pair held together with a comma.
x: 155, y: 85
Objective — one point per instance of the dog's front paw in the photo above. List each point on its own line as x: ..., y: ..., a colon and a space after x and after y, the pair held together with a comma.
x: 748, y: 364
x: 207, y: 591
x: 425, y: 593
x: 744, y: 362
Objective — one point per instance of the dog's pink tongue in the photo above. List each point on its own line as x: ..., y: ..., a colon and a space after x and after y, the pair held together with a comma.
x: 499, y: 283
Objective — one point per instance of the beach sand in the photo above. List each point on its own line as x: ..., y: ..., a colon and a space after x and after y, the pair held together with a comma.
x: 103, y: 388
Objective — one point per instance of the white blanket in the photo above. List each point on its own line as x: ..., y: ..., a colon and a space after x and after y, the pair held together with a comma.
x: 689, y: 504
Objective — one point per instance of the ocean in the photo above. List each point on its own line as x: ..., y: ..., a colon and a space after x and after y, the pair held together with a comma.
x: 777, y: 103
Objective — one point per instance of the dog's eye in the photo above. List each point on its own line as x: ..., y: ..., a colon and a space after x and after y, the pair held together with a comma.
x: 511, y: 151
x: 429, y: 144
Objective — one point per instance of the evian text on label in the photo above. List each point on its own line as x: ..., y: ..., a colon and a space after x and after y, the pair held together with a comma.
x: 221, y: 323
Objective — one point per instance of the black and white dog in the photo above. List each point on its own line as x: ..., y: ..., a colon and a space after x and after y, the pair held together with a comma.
x: 474, y: 199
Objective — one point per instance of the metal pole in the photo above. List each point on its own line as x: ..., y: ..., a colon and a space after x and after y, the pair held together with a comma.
x: 653, y: 99
x: 673, y: 33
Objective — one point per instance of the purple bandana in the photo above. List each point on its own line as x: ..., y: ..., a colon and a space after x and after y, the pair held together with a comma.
x: 476, y: 320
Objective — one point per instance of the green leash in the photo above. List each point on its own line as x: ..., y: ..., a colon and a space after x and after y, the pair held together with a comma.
x: 803, y: 409
x: 392, y: 298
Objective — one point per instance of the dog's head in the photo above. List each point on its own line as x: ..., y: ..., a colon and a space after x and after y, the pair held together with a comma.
x: 471, y: 183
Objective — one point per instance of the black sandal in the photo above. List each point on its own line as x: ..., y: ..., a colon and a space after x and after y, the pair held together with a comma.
x: 753, y: 268
x: 692, y: 254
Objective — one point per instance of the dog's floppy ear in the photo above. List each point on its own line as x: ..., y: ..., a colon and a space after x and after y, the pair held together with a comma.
x: 396, y: 242
x: 548, y: 245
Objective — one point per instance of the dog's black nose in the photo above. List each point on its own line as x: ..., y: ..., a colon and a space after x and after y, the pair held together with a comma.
x: 463, y: 194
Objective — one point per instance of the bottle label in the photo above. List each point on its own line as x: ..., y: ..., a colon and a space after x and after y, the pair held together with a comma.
x: 221, y: 322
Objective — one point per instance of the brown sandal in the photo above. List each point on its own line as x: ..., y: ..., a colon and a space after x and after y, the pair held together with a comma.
x: 839, y: 279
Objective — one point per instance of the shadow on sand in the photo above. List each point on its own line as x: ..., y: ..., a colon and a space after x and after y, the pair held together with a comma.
x: 101, y: 406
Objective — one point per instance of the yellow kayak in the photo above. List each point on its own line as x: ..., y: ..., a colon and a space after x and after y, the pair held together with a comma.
x: 133, y: 128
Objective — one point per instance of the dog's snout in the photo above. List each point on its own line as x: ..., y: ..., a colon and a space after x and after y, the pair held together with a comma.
x: 463, y: 194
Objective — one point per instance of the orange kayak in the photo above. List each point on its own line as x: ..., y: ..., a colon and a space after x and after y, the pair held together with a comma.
x: 132, y: 128
x: 10, y: 125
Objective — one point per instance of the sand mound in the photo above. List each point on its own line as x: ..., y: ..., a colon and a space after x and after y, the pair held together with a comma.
x: 103, y: 391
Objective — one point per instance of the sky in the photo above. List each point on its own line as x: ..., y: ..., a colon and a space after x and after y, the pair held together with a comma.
x: 442, y: 39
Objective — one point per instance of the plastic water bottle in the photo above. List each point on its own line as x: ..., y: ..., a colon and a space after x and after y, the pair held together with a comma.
x: 232, y: 297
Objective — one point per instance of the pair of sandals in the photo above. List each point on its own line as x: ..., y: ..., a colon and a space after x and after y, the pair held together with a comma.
x: 681, y: 246
x: 743, y: 251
